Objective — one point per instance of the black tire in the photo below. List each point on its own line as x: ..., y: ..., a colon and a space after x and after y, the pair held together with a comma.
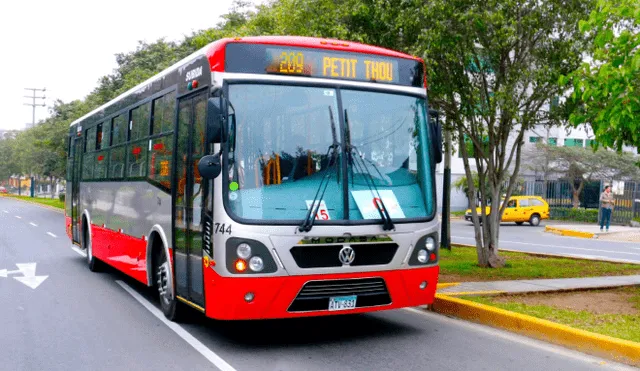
x: 94, y: 264
x: 163, y: 283
x: 519, y: 223
x: 534, y: 220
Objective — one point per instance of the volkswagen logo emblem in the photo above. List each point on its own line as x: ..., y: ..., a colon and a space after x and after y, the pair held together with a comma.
x: 346, y: 255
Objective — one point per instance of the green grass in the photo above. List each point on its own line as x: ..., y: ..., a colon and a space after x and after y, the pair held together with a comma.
x: 457, y: 213
x: 622, y: 326
x: 45, y: 201
x: 461, y: 264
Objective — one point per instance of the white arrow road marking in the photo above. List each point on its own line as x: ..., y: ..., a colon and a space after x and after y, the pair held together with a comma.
x: 51, y: 234
x: 29, y: 277
x: 33, y: 224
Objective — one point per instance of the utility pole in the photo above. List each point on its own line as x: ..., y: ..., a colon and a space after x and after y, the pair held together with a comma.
x: 33, y: 103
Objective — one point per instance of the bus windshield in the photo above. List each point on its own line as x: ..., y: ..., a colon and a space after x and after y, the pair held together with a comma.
x: 289, y: 141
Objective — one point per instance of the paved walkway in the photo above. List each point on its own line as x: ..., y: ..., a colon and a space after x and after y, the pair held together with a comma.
x: 615, y: 233
x: 522, y: 286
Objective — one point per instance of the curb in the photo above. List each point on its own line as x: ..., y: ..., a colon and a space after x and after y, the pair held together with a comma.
x: 568, y: 232
x: 584, y: 341
x: 61, y: 211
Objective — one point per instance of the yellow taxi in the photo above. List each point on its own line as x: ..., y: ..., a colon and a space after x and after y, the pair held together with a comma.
x: 520, y: 209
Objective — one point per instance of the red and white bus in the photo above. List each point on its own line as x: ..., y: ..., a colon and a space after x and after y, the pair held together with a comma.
x: 265, y: 177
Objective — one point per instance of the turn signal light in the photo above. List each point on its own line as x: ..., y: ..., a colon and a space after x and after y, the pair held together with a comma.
x: 432, y: 256
x: 241, y: 265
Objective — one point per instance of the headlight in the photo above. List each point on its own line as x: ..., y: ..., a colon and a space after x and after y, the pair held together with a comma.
x: 252, y: 253
x: 256, y: 264
x: 423, y: 256
x: 244, y: 251
x: 430, y: 244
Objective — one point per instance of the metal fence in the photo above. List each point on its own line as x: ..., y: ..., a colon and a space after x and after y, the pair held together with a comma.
x: 559, y: 195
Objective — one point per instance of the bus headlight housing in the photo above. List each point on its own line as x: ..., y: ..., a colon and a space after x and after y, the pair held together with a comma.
x: 244, y: 251
x: 255, y: 255
x: 425, y: 251
x: 256, y: 264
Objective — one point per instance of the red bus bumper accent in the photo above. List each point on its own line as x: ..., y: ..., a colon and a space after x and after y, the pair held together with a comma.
x: 224, y: 296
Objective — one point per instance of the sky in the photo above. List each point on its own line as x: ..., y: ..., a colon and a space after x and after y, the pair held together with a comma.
x: 65, y: 46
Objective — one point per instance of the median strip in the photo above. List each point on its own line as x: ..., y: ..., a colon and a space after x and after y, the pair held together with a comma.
x: 588, y: 342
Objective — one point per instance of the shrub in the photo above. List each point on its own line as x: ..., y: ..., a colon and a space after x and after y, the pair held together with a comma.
x: 61, y: 197
x: 575, y: 215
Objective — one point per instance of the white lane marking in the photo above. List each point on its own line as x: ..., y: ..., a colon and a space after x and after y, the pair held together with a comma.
x: 33, y: 224
x: 76, y: 249
x: 5, y: 211
x: 51, y: 234
x: 563, y: 247
x: 19, y: 217
x: 530, y: 342
x: 186, y: 336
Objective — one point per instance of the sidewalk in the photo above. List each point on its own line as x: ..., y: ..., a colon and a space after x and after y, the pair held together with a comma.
x: 616, y: 232
x: 522, y: 286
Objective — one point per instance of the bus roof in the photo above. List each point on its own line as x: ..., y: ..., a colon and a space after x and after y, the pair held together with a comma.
x: 215, y: 53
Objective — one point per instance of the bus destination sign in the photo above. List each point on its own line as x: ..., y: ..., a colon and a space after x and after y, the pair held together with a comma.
x: 327, y: 64
x: 321, y: 63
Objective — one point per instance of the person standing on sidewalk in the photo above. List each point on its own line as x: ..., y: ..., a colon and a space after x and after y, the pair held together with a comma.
x: 607, y: 201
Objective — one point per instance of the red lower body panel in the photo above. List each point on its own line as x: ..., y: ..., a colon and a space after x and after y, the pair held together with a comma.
x: 273, y: 295
x: 67, y: 224
x: 121, y: 251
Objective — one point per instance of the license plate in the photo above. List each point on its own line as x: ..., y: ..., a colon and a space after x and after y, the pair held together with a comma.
x: 342, y: 302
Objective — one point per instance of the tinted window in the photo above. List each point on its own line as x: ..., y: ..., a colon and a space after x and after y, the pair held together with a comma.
x: 116, y: 163
x: 140, y: 122
x: 87, y: 166
x: 160, y: 158
x: 100, y: 167
x: 90, y: 140
x: 137, y: 159
x: 524, y: 202
x: 163, y: 111
x: 119, y: 131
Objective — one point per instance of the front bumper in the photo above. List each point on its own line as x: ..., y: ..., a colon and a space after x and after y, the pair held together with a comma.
x: 273, y: 296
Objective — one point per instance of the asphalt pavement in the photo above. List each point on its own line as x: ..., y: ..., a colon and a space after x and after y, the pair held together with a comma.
x: 57, y: 315
x: 527, y: 238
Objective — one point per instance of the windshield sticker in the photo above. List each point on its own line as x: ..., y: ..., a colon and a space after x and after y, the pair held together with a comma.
x: 323, y: 213
x: 233, y: 186
x: 368, y: 204
x: 328, y: 93
x: 233, y: 196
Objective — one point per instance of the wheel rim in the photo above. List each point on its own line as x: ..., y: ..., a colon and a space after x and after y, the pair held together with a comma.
x: 536, y: 220
x: 164, y: 283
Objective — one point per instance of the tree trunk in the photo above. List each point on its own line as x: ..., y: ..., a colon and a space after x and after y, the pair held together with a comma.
x: 576, y: 194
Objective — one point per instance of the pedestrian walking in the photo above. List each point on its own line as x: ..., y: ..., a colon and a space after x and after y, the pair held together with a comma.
x: 606, y: 207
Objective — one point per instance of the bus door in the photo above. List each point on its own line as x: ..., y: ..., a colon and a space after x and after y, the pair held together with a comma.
x: 75, y: 188
x: 191, y: 191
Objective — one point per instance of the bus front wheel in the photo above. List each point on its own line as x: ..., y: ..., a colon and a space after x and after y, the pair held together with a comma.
x: 164, y: 284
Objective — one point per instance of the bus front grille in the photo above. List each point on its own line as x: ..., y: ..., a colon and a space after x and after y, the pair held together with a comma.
x: 315, y: 295
x: 325, y: 256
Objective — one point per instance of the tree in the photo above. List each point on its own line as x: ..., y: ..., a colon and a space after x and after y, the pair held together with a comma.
x: 606, y: 88
x: 493, y: 65
x: 581, y: 165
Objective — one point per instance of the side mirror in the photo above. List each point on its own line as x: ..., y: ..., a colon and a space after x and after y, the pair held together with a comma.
x: 436, y: 131
x: 214, y: 121
x: 209, y: 166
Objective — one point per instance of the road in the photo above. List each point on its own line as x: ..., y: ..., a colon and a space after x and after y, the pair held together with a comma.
x: 74, y: 319
x: 533, y: 239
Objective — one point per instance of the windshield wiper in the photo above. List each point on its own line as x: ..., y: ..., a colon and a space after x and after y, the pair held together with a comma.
x: 354, y: 156
x: 308, y: 221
